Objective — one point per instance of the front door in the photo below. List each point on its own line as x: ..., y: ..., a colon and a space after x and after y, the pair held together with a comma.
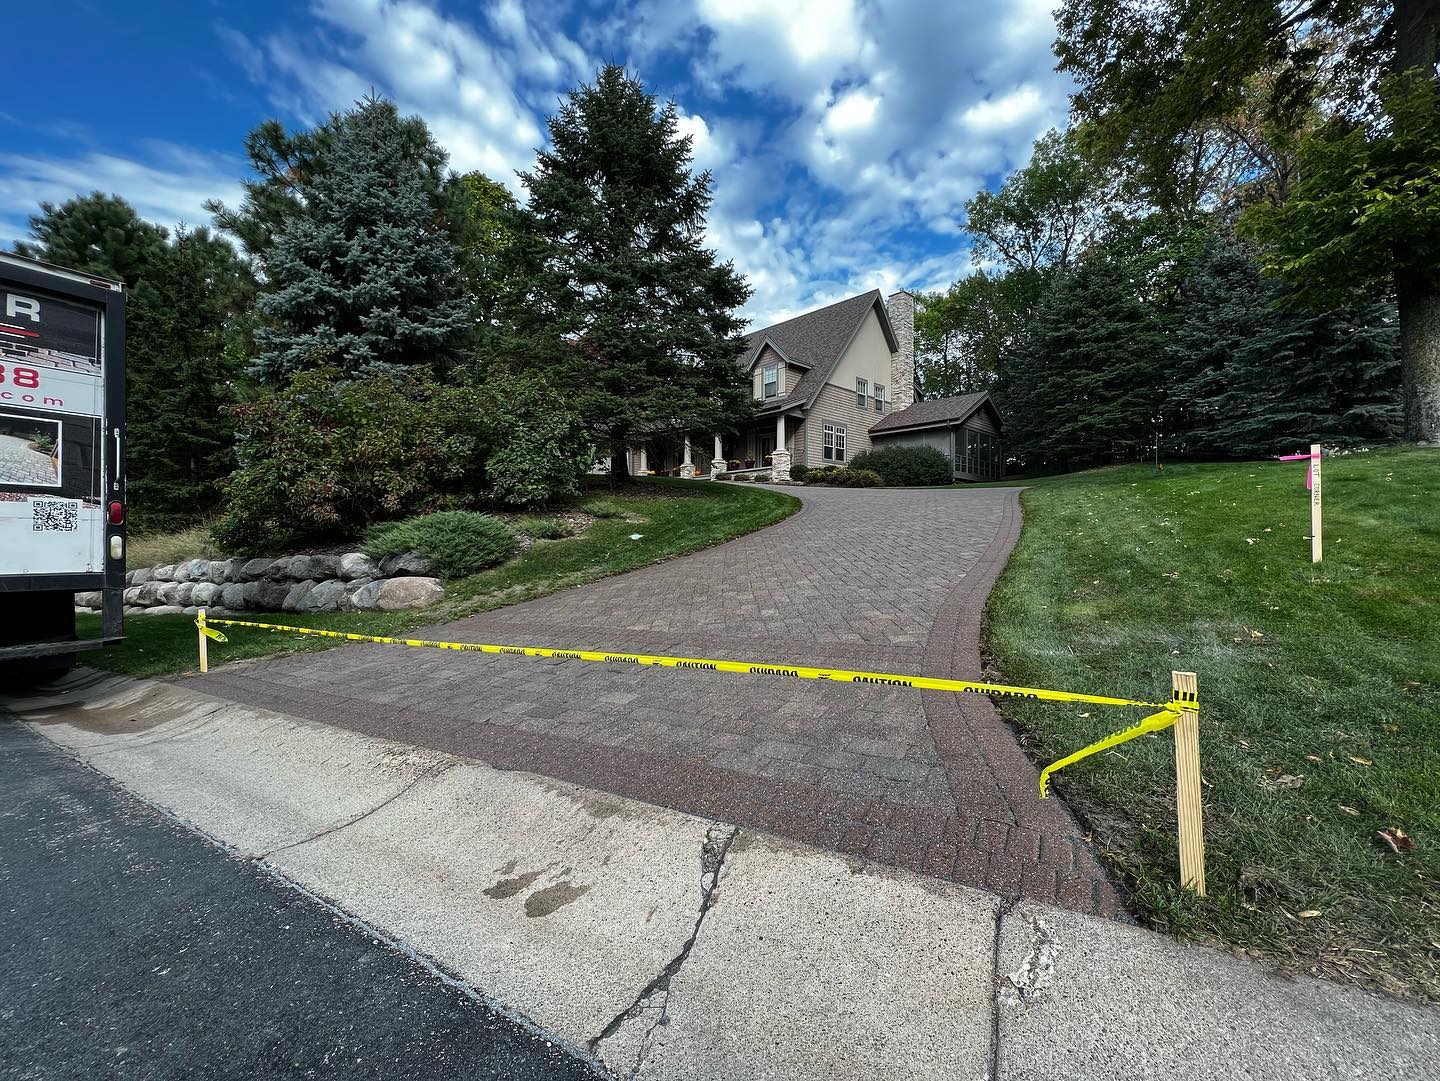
x: 767, y: 447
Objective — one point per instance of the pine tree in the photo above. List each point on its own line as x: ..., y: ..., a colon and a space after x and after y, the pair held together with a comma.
x: 364, y: 279
x: 622, y: 275
x: 186, y: 358
x: 1251, y: 377
x: 98, y: 234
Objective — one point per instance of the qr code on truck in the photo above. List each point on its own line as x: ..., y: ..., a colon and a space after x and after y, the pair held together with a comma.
x: 55, y: 516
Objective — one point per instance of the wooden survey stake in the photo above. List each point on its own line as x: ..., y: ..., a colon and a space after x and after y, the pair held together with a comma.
x: 1315, y: 457
x: 1187, y: 784
x: 204, y: 652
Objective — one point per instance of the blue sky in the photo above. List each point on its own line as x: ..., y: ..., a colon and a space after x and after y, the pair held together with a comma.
x: 844, y: 135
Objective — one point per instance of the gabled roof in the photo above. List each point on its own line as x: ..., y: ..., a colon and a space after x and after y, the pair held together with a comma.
x: 936, y: 413
x: 816, y: 340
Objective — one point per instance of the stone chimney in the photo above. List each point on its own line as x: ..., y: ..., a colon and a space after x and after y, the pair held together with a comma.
x: 901, y: 309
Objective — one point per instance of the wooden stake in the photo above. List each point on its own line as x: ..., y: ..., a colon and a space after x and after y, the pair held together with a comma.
x: 1187, y: 785
x: 1315, y: 457
x: 204, y: 639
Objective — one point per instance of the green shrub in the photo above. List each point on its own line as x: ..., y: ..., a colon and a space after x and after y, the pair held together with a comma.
x: 326, y: 456
x: 797, y: 472
x: 543, y: 528
x: 456, y: 542
x: 848, y: 478
x: 907, y: 467
x: 603, y: 508
x: 541, y: 450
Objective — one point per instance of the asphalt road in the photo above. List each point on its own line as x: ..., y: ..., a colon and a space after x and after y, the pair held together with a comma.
x: 130, y: 947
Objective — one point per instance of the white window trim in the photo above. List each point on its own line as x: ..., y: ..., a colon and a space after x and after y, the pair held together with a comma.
x: 879, y: 397
x: 763, y: 373
x: 833, y: 439
x: 862, y: 392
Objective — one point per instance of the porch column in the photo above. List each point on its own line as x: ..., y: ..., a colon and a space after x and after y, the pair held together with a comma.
x: 644, y: 464
x: 780, y: 457
x: 718, y: 463
x: 687, y: 465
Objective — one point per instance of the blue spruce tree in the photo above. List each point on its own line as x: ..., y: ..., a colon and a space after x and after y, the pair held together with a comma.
x: 363, y: 279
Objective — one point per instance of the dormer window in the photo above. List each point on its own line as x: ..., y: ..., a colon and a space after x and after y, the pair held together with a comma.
x: 770, y: 381
x: 862, y: 392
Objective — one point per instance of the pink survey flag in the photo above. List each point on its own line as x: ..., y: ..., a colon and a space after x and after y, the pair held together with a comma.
x: 1309, y: 469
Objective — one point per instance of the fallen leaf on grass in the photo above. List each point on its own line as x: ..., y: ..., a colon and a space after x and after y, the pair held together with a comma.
x: 1285, y: 780
x: 1360, y: 761
x: 1311, y: 913
x: 1312, y: 758
x: 1395, y: 839
x: 1349, y: 810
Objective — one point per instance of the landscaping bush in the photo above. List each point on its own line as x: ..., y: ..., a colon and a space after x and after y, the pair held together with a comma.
x: 906, y: 467
x: 456, y: 542
x: 543, y: 528
x: 846, y: 478
x: 798, y: 472
x: 326, y: 456
x: 541, y: 450
x: 603, y: 508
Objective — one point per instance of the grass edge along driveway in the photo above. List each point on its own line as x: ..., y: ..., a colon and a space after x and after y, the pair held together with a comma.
x: 1319, y: 691
x: 673, y: 517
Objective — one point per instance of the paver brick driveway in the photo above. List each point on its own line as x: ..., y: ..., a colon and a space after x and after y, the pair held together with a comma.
x: 885, y: 580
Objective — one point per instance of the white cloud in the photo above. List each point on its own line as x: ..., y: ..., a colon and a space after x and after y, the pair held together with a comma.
x: 1005, y: 113
x: 168, y: 186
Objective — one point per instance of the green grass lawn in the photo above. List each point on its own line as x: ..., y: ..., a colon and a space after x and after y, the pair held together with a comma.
x: 671, y: 516
x: 1328, y: 673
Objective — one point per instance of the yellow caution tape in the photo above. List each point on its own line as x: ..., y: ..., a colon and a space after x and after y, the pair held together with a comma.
x: 210, y: 632
x: 1168, y: 715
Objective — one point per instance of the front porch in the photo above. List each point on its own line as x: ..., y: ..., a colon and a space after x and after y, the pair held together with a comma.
x: 751, y: 450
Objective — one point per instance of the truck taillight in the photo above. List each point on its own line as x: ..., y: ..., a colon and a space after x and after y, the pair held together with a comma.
x: 117, y: 512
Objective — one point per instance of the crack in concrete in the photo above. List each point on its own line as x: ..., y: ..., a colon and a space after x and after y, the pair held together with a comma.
x: 712, y: 859
x: 1004, y: 909
x: 426, y: 774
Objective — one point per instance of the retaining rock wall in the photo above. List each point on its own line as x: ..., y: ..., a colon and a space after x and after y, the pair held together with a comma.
x: 313, y: 583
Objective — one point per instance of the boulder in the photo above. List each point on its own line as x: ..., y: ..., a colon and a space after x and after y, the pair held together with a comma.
x: 204, y: 594
x: 359, y: 583
x: 269, y: 595
x: 237, y: 595
x: 142, y: 576
x: 366, y: 598
x: 193, y: 610
x: 296, y: 595
x: 163, y: 573
x: 184, y: 592
x: 168, y: 593
x: 398, y: 594
x: 131, y: 596
x: 254, y: 569
x: 279, y: 569
x: 164, y: 610
x: 93, y: 599
x: 132, y: 610
x: 316, y: 568
x: 222, y: 569
x: 355, y: 565
x: 327, y: 596
x: 130, y: 578
x: 182, y: 571
x: 197, y: 570
x: 406, y: 563
x: 150, y: 593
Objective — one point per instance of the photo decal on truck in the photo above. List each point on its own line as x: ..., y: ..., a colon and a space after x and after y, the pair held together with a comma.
x: 30, y: 450
x: 50, y: 354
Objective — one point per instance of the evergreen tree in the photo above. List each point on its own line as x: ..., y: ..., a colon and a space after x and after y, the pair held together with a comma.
x: 363, y: 279
x: 98, y: 234
x: 621, y: 273
x: 1084, y: 387
x: 187, y: 353
x: 1250, y: 377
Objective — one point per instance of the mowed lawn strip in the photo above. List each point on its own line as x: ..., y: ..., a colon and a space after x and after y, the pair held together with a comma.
x: 672, y: 517
x: 1319, y: 690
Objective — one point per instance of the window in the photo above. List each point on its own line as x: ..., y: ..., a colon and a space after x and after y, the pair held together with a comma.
x: 879, y: 397
x: 834, y: 443
x: 770, y: 381
x: 862, y: 392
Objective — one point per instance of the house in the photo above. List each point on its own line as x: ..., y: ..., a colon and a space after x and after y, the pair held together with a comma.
x: 966, y: 429
x: 824, y: 382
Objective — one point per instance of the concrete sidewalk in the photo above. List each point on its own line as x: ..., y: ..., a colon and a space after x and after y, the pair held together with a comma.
x: 670, y: 946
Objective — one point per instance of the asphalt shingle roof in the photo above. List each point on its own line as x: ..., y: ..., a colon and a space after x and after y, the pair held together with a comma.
x: 935, y: 411
x: 815, y: 339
